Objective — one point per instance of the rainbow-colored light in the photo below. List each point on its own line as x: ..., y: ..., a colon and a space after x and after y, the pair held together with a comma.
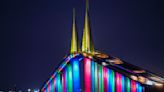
x: 82, y: 74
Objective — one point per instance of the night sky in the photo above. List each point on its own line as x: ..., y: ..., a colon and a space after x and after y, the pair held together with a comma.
x: 35, y: 35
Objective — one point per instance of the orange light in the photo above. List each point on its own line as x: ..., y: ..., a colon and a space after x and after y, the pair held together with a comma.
x: 158, y: 84
x: 102, y: 55
x: 117, y: 61
x: 139, y: 71
x: 134, y: 77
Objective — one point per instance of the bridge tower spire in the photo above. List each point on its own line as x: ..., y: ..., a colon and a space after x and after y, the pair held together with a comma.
x: 87, y: 43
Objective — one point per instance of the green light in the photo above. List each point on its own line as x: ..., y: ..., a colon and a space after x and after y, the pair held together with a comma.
x: 52, y: 87
x: 96, y: 81
x: 113, y: 81
x: 127, y: 84
x: 101, y: 87
x: 70, y: 85
x: 59, y: 83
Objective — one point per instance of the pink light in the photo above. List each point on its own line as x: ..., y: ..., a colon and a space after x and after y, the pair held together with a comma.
x: 64, y: 81
x: 54, y: 84
x: 87, y: 74
x: 49, y: 87
x: 105, y: 77
x: 118, y: 82
x: 44, y: 90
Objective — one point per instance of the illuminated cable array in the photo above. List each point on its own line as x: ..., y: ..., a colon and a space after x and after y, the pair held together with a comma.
x: 96, y: 78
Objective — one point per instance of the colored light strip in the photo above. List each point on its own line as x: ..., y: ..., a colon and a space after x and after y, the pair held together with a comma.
x: 111, y: 85
x: 118, y: 87
x: 133, y: 86
x: 123, y: 83
x: 76, y: 75
x: 49, y: 87
x: 117, y: 83
x: 44, y: 90
x: 54, y: 84
x: 87, y: 75
x: 47, y: 90
x: 93, y: 75
x: 113, y: 81
x: 127, y: 84
x: 109, y: 81
x: 96, y: 77
x: 105, y: 77
x: 69, y: 78
x: 64, y: 81
x: 120, y: 82
x: 59, y: 84
x: 56, y: 81
x: 139, y: 87
x: 101, y: 86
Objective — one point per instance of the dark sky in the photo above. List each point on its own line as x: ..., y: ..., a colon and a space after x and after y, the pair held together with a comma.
x: 36, y: 35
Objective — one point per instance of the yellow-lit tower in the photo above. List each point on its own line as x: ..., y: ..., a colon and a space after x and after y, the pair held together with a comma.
x: 87, y: 43
x: 74, y: 40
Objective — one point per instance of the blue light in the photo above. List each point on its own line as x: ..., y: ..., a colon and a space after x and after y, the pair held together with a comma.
x: 93, y: 76
x: 123, y: 83
x: 111, y: 81
x: 76, y: 75
x: 139, y: 87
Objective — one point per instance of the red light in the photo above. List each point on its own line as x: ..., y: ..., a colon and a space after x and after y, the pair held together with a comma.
x: 105, y: 75
x: 87, y: 74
